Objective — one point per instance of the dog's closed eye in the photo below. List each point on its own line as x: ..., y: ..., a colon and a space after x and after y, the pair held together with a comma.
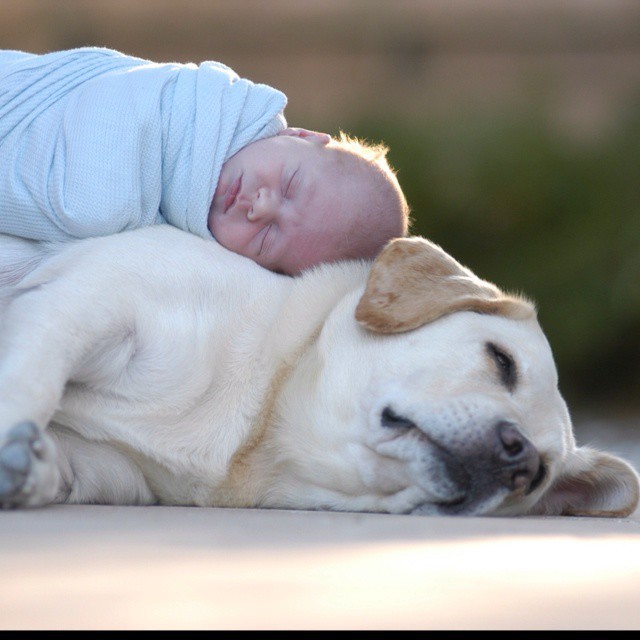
x: 391, y: 419
x: 505, y: 365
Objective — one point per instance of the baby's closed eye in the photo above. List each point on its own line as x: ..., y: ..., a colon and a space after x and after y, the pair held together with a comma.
x: 290, y: 184
x: 265, y: 236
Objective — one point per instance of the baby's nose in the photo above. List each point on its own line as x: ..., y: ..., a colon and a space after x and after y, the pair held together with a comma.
x: 265, y: 205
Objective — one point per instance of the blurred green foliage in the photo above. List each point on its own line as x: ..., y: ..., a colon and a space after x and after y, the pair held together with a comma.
x: 538, y: 213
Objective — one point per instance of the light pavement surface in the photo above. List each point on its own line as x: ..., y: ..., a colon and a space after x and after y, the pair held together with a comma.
x: 101, y: 567
x: 92, y: 567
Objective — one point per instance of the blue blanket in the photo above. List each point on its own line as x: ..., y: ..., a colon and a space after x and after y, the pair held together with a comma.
x: 93, y: 142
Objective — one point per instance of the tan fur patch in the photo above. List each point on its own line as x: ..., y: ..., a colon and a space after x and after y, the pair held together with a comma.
x: 242, y: 485
x: 413, y: 282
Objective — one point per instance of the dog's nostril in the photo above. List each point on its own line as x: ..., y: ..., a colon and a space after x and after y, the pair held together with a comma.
x: 513, y: 442
x: 517, y: 460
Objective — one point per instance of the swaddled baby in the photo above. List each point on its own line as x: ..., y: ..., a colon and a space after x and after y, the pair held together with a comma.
x: 94, y: 142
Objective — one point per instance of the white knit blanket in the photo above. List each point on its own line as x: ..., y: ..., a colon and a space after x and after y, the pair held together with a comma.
x: 93, y: 142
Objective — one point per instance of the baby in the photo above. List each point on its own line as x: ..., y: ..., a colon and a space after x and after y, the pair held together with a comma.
x: 93, y: 142
x: 302, y: 198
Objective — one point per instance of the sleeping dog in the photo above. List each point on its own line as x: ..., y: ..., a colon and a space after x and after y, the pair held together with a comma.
x: 154, y: 367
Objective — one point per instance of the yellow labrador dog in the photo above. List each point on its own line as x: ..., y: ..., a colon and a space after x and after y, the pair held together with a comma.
x: 155, y: 367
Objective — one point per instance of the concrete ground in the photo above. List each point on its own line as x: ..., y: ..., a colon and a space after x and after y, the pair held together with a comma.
x: 90, y: 567
x: 100, y: 567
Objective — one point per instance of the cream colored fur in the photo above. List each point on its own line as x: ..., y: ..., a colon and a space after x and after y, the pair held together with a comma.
x: 155, y: 367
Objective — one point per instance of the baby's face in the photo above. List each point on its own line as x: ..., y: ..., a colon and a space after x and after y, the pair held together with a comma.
x: 283, y: 203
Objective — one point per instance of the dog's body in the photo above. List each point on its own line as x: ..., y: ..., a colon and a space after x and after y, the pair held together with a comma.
x: 155, y: 367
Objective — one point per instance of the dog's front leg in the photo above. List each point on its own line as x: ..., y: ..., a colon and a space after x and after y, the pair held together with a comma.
x: 47, y: 330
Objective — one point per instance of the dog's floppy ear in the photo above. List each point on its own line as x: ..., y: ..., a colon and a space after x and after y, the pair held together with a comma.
x: 593, y: 484
x: 413, y: 282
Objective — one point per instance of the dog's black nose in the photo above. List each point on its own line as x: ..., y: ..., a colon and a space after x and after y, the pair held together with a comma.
x: 517, y: 460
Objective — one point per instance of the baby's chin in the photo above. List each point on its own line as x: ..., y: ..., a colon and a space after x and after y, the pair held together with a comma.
x: 211, y: 218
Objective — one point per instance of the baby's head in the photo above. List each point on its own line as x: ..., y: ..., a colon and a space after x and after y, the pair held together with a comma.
x: 301, y: 198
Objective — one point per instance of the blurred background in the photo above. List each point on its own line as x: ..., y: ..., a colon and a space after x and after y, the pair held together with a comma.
x: 514, y: 126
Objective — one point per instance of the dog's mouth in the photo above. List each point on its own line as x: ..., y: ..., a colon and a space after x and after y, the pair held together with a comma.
x: 482, y: 495
x: 477, y: 475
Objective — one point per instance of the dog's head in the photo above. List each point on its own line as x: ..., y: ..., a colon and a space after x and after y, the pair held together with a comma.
x: 439, y: 397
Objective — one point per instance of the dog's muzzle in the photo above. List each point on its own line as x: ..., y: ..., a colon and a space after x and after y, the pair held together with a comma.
x: 498, y: 458
x: 503, y: 459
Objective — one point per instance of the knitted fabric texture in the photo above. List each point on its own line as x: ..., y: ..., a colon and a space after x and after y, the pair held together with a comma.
x: 93, y: 142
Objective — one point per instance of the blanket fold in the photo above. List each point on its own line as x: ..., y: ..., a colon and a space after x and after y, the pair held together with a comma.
x: 93, y: 142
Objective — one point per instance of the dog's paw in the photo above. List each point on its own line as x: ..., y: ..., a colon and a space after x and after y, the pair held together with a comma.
x: 27, y: 467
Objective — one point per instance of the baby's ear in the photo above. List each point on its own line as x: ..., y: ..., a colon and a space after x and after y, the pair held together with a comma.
x: 316, y: 137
